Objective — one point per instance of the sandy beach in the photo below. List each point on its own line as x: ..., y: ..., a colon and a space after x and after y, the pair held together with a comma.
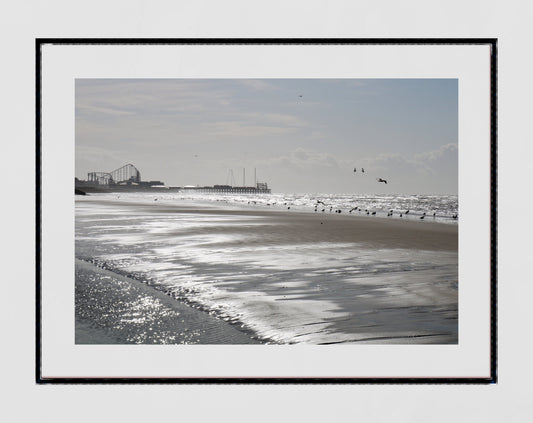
x: 297, y: 227
x: 114, y: 309
x: 330, y: 278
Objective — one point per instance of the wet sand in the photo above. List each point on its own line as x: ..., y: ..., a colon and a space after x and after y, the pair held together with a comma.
x: 392, y: 306
x: 114, y: 309
x: 303, y: 227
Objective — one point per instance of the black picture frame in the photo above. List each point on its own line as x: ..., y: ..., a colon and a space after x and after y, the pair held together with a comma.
x: 491, y: 42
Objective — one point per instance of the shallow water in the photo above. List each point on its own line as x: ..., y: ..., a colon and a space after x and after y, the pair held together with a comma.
x: 281, y: 291
x: 435, y: 208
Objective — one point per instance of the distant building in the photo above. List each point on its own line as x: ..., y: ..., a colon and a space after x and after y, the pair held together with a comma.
x: 128, y: 178
x: 125, y: 177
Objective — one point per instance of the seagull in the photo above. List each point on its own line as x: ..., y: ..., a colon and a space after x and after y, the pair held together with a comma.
x: 381, y: 180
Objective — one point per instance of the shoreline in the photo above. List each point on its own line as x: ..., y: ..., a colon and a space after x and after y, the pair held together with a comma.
x: 303, y: 226
x: 114, y: 309
x: 426, y: 209
x: 283, y: 275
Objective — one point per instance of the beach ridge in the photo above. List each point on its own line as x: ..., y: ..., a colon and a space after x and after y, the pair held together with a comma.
x: 113, y: 308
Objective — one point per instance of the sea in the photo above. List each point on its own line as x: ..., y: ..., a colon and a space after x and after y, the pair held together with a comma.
x: 436, y: 208
x: 332, y: 293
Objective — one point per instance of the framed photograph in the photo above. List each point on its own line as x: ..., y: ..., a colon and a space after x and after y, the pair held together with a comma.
x: 266, y: 211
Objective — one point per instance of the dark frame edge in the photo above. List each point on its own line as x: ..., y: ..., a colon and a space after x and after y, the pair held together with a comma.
x: 263, y: 381
x: 295, y: 41
x: 492, y: 42
x: 494, y: 208
x: 38, y: 332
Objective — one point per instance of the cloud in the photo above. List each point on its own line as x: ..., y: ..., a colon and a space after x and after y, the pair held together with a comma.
x: 424, y: 163
x: 145, y: 98
x: 256, y: 84
x: 104, y: 110
x: 94, y: 159
x: 243, y: 129
x: 446, y: 151
x: 253, y: 124
x: 430, y: 172
x: 276, y: 119
x: 387, y: 161
x: 433, y: 171
x: 304, y: 160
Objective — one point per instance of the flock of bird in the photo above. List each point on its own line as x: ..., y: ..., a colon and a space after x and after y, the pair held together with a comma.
x: 369, y: 212
x: 377, y: 179
x: 390, y: 213
x: 356, y: 208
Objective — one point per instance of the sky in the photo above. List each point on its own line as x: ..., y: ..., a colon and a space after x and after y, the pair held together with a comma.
x: 298, y: 135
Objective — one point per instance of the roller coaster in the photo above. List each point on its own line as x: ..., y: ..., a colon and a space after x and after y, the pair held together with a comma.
x: 125, y: 174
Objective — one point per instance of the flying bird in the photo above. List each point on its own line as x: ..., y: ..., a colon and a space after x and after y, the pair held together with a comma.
x: 381, y: 180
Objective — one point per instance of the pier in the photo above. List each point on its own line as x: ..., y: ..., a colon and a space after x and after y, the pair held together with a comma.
x: 128, y: 178
x: 261, y: 188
